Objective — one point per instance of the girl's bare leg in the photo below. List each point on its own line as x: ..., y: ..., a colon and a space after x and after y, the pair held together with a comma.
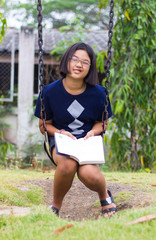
x: 64, y: 174
x: 92, y: 178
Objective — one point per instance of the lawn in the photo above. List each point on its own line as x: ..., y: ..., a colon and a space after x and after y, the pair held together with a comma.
x: 40, y: 223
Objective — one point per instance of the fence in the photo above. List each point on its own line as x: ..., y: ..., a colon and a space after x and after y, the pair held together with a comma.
x: 7, y: 69
x: 9, y: 65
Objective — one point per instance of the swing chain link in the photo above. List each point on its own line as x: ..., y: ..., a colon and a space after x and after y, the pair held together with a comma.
x: 108, y: 64
x: 41, y: 66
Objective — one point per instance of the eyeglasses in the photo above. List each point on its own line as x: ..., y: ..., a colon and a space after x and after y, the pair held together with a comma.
x: 85, y: 63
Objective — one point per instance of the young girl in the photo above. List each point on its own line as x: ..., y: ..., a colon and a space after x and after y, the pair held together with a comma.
x: 74, y: 107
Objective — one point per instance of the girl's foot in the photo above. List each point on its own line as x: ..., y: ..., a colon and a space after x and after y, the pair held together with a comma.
x: 108, y: 205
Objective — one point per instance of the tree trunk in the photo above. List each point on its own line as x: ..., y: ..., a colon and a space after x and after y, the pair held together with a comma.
x: 133, y: 154
x: 133, y: 158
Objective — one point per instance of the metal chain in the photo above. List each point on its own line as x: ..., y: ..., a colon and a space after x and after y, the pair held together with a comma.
x: 108, y: 64
x: 41, y: 68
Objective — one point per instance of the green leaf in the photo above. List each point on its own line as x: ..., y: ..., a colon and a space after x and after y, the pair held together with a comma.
x: 119, y: 106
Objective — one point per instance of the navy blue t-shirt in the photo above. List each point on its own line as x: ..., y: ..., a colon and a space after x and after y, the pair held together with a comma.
x: 74, y: 113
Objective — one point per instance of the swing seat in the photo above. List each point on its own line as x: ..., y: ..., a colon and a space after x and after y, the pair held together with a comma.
x: 47, y: 149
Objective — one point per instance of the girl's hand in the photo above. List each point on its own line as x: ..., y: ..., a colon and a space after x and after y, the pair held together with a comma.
x: 91, y: 133
x: 68, y: 134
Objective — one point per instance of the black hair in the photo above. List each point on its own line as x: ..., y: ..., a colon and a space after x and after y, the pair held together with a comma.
x: 91, y: 77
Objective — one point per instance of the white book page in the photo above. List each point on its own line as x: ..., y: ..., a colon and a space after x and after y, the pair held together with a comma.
x: 86, y: 150
x: 92, y: 149
x: 65, y: 144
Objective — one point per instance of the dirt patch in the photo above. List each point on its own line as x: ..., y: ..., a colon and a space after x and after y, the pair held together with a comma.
x: 16, y: 211
x: 80, y: 203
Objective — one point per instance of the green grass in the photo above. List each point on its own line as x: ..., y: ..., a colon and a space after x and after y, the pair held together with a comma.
x: 123, y: 196
x: 16, y: 176
x: 11, y: 195
x: 40, y: 223
x: 131, y: 177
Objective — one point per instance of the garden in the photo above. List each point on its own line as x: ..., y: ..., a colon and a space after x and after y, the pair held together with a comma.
x: 26, y: 182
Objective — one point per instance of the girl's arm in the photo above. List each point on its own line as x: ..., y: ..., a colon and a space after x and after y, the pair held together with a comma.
x: 51, y: 129
x: 97, y: 129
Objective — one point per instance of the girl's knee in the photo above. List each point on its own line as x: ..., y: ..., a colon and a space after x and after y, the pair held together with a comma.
x: 90, y: 175
x: 67, y: 167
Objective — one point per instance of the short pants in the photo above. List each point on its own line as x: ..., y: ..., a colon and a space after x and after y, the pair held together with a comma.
x: 51, y: 145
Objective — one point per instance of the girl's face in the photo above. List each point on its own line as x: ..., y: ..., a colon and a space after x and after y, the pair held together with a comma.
x: 79, y: 64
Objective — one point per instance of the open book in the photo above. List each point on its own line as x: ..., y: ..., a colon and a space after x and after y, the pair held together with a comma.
x: 84, y: 151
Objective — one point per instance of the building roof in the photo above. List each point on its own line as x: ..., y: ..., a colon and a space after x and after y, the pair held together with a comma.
x: 97, y: 39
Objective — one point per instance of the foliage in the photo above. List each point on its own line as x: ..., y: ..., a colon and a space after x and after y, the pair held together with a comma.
x: 133, y: 85
x: 102, y: 4
x: 58, y: 13
x: 3, y: 24
x: 100, y: 58
x: 5, y: 146
x: 76, y: 32
x: 30, y: 151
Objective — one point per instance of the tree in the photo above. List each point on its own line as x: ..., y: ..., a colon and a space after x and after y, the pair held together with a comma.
x: 132, y: 90
x: 3, y: 23
x: 57, y: 13
x: 4, y: 145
